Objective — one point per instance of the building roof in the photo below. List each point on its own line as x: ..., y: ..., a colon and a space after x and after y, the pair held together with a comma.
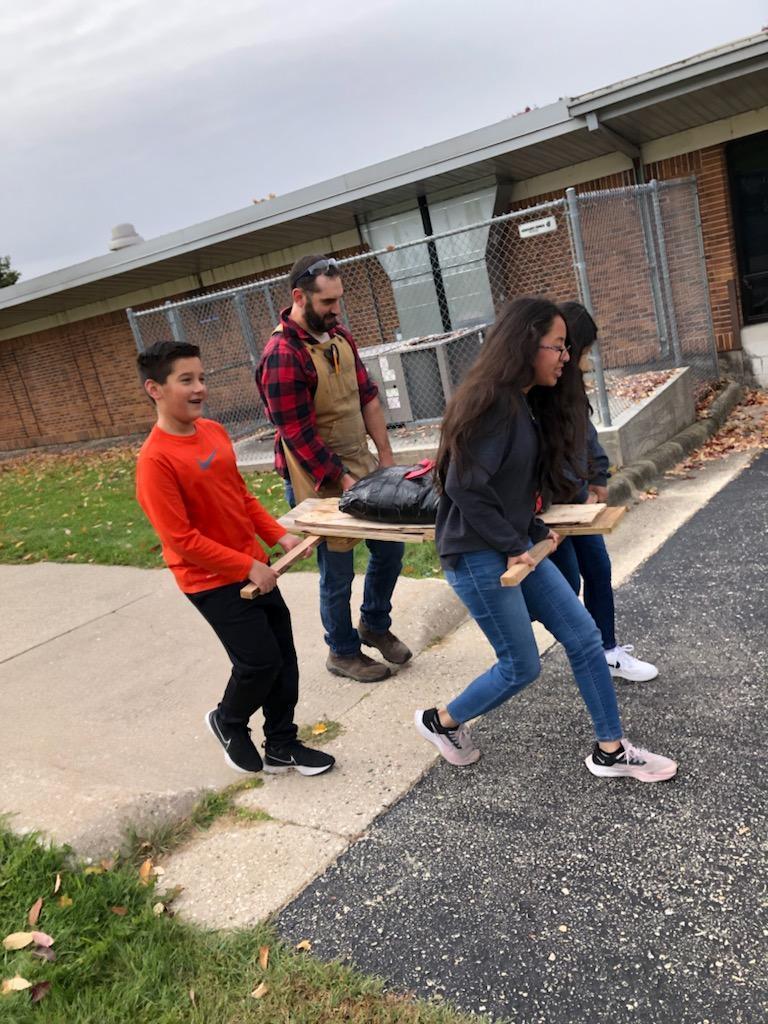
x: 719, y: 83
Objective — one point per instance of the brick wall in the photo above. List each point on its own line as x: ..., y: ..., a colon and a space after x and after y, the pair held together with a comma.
x: 622, y: 297
x: 78, y: 382
x: 711, y: 172
x: 71, y: 383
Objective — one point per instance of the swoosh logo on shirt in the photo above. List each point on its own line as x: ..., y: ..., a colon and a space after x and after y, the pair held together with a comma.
x: 205, y: 463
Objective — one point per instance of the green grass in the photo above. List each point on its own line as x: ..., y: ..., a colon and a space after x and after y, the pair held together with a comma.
x: 307, y: 733
x: 80, y: 507
x: 212, y: 805
x: 145, y: 968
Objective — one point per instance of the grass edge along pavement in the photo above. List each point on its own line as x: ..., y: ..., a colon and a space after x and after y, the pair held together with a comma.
x: 119, y: 954
x: 80, y: 507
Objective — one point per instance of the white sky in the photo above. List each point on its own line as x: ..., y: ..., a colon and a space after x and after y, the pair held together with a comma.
x: 167, y: 112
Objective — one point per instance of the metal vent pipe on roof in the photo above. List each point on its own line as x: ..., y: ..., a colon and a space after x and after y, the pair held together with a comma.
x: 124, y: 235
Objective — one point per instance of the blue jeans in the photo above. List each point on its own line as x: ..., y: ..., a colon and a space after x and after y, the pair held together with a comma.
x: 337, y: 572
x: 586, y: 558
x: 504, y: 614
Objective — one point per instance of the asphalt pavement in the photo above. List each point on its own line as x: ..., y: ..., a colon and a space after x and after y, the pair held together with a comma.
x: 526, y: 889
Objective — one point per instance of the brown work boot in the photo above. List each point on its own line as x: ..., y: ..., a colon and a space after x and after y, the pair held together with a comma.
x: 359, y: 667
x: 394, y: 650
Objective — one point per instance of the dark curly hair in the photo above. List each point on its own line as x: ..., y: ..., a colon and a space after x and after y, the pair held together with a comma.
x: 563, y: 412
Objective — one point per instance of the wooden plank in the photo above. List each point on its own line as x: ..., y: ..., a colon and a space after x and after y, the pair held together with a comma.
x: 325, y: 520
x: 250, y: 590
x: 559, y: 514
x: 363, y: 534
x: 606, y: 522
x: 318, y: 519
x: 321, y: 516
x: 514, y: 577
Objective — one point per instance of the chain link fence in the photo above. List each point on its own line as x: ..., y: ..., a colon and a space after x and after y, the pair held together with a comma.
x: 420, y: 309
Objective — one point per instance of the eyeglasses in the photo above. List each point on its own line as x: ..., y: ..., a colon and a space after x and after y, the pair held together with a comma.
x: 317, y: 268
x: 559, y: 349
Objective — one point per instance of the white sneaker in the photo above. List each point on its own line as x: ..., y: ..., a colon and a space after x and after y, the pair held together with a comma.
x: 624, y: 666
x: 455, y: 745
x: 631, y: 762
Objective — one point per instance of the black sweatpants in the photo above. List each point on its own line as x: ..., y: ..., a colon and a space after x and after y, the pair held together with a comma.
x: 257, y: 637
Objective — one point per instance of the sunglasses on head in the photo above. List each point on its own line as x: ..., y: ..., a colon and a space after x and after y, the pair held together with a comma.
x: 317, y: 268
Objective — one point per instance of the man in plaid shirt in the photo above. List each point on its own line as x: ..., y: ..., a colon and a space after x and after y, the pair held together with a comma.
x: 324, y: 406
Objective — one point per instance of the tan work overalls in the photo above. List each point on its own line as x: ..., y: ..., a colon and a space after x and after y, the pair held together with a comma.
x: 339, y: 417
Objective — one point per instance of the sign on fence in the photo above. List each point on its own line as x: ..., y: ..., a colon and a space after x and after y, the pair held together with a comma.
x: 537, y: 227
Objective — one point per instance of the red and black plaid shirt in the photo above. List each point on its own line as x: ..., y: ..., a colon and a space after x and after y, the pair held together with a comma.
x: 287, y: 382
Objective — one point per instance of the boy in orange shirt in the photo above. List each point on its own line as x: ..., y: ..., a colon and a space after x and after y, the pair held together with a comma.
x: 188, y: 484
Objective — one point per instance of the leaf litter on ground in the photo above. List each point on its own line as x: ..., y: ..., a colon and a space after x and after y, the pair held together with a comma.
x: 746, y: 429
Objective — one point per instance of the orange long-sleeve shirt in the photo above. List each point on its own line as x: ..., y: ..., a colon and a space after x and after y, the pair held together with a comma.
x: 194, y: 496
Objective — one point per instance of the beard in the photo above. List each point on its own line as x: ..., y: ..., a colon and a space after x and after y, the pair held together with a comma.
x: 317, y: 322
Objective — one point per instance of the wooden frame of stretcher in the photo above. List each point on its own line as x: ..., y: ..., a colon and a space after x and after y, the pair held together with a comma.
x: 319, y: 519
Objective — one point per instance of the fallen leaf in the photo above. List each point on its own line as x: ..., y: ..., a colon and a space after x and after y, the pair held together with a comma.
x: 15, y: 984
x: 34, y: 913
x: 264, y: 957
x: 107, y: 863
x: 44, y: 953
x: 145, y: 871
x: 18, y: 940
x: 65, y: 901
x: 260, y: 990
x: 304, y: 945
x: 319, y: 729
x: 41, y: 939
x: 120, y: 911
x: 40, y: 991
x: 57, y: 884
x: 192, y: 996
x: 94, y: 870
x: 158, y: 909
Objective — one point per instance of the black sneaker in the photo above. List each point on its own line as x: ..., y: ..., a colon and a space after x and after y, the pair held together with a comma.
x: 239, y: 751
x: 306, y: 760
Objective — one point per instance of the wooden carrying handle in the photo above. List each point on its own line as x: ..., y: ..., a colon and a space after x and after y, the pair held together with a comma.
x: 251, y: 590
x: 514, y: 576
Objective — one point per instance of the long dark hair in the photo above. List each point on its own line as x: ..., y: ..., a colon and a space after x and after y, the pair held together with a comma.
x: 503, y: 368
x: 562, y: 412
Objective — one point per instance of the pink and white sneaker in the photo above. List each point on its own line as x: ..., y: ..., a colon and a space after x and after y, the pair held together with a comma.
x: 631, y: 762
x: 455, y: 745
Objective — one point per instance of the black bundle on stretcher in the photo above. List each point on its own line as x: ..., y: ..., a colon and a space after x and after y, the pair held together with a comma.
x: 394, y: 494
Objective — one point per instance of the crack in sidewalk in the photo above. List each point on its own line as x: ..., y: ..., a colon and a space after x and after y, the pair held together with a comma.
x: 73, y: 629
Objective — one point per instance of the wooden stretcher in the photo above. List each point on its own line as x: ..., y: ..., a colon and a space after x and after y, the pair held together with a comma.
x: 319, y: 519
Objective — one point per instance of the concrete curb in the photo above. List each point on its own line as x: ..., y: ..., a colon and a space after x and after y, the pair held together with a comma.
x: 639, y: 475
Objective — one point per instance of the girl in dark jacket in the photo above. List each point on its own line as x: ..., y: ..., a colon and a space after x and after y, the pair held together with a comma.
x: 488, y: 467
x: 577, y: 472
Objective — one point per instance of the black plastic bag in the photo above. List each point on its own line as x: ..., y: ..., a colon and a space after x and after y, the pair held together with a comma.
x: 394, y: 494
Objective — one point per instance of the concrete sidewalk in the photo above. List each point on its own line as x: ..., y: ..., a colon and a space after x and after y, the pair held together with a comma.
x: 106, y: 674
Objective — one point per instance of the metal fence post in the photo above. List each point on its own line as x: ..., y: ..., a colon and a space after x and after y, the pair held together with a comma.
x: 649, y: 246
x: 174, y: 322
x: 580, y: 266
x: 135, y: 330
x: 246, y: 328
x: 704, y: 282
x: 677, y: 351
x: 267, y: 293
